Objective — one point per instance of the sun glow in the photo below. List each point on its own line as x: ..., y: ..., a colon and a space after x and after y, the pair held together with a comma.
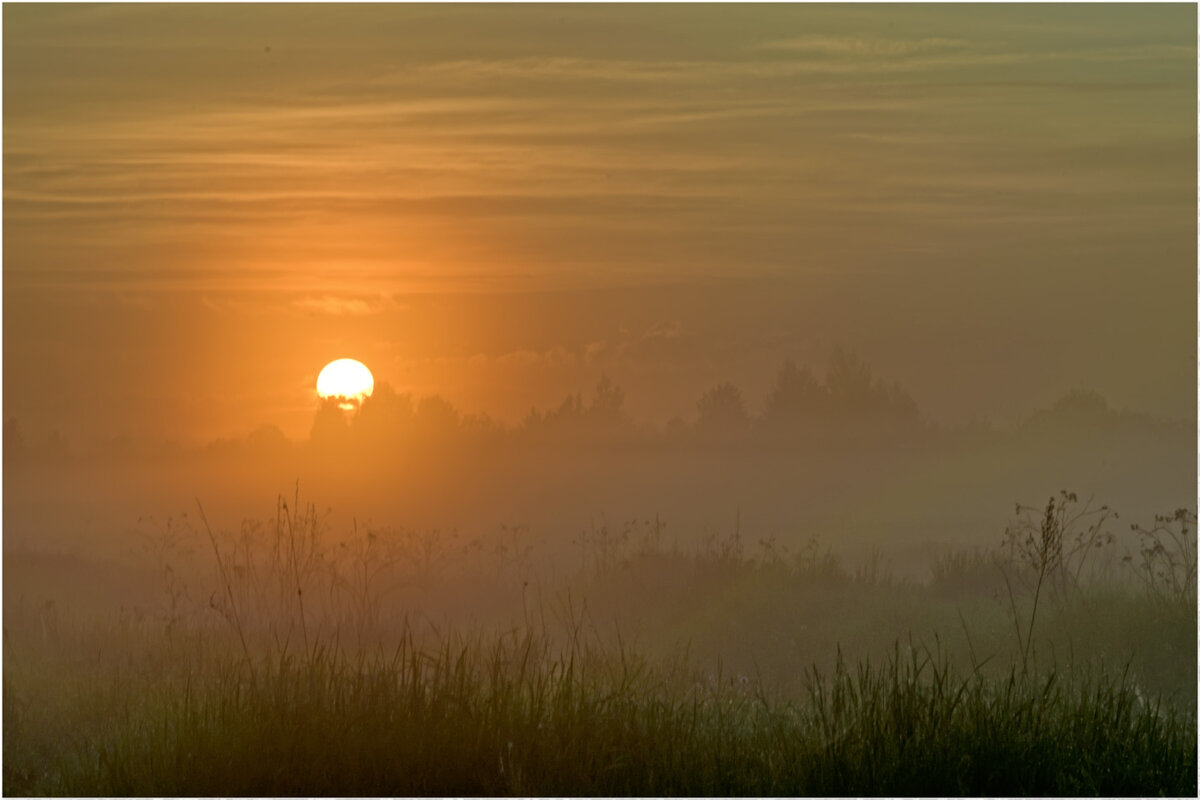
x: 346, y: 380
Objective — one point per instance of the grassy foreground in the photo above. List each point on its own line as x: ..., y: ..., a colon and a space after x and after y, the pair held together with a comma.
x: 303, y: 666
x: 508, y: 717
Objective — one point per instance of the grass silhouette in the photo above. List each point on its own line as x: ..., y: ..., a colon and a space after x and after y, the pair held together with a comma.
x: 293, y: 683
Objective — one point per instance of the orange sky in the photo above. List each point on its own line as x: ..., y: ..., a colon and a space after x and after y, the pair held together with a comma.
x: 203, y: 204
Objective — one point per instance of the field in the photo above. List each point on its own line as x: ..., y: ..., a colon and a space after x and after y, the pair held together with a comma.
x: 281, y: 659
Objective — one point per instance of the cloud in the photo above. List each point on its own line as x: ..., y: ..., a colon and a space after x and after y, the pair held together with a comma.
x: 336, y: 306
x: 135, y: 300
x: 594, y: 351
x: 456, y: 165
x: 859, y: 47
x: 554, y: 357
x: 664, y: 330
x: 663, y: 342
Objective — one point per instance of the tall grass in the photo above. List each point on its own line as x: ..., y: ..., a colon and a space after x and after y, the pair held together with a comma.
x: 298, y: 673
x: 509, y: 717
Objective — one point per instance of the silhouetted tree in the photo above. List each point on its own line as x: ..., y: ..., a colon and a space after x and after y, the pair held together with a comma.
x: 268, y: 440
x: 722, y: 410
x: 1078, y: 411
x: 848, y: 381
x: 481, y: 428
x: 608, y: 400
x: 436, y: 416
x: 899, y: 404
x: 796, y: 396
x: 676, y: 431
x: 860, y: 400
x: 385, y: 417
x: 330, y: 427
x: 1081, y: 404
x: 602, y: 420
x: 568, y: 413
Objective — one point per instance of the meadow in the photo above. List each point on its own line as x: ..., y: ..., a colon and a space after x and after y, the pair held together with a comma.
x: 284, y: 658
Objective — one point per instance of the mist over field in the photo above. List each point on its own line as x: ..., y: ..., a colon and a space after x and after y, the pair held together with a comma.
x: 831, y: 453
x: 758, y: 400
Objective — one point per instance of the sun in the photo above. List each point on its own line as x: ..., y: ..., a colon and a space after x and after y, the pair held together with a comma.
x: 346, y: 380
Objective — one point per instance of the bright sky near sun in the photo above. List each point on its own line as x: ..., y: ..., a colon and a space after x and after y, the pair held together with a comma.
x: 204, y: 204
